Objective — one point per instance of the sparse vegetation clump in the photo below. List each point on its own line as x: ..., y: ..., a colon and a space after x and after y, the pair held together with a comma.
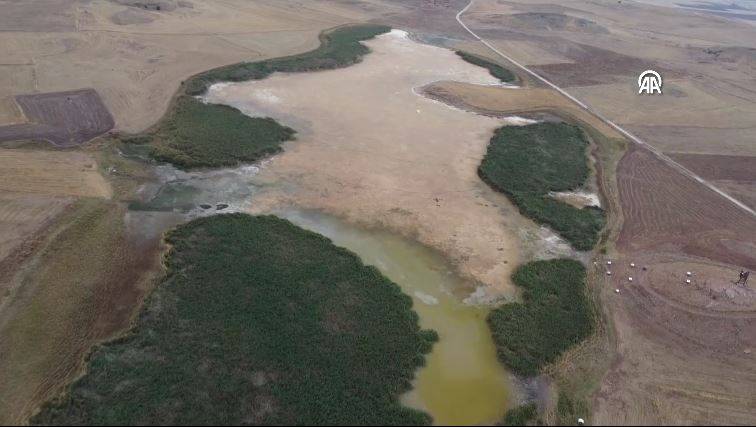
x: 528, y: 162
x: 195, y: 134
x: 568, y: 410
x: 338, y: 48
x: 257, y: 322
x: 555, y: 314
x: 522, y: 415
x: 496, y: 70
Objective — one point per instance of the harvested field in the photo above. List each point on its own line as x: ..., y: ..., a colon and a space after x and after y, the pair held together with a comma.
x: 685, y: 351
x: 735, y: 175
x: 57, y: 15
x: 666, y: 211
x: 21, y: 216
x: 712, y: 286
x: 63, y: 119
x: 593, y: 66
x: 52, y: 173
x: 719, y: 167
x: 542, y: 21
x: 742, y: 191
x: 735, y: 141
x: 65, y: 301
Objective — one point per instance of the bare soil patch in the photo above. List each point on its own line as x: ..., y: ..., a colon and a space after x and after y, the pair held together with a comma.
x: 131, y: 16
x: 712, y: 286
x: 592, y: 65
x: 665, y: 210
x: 685, y: 351
x: 53, y: 15
x: 719, y: 167
x: 743, y: 191
x: 543, y: 21
x: 64, y: 119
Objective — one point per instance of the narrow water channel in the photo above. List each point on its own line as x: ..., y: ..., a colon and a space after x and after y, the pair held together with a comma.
x: 462, y: 383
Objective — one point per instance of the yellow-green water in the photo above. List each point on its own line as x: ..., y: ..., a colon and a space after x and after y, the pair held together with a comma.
x: 462, y: 382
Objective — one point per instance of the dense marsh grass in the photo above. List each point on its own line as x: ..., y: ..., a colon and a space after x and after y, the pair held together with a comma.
x: 195, y: 134
x: 528, y: 162
x: 522, y: 415
x: 555, y: 315
x: 257, y: 322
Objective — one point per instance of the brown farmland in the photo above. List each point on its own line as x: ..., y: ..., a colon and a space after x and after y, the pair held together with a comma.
x: 680, y: 360
x: 666, y: 211
x: 684, y: 349
x: 63, y: 119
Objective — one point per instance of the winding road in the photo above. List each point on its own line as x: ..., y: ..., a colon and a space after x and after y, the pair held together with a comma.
x: 666, y: 159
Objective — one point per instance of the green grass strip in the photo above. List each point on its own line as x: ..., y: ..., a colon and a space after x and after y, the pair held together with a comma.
x: 496, y: 70
x: 338, y: 48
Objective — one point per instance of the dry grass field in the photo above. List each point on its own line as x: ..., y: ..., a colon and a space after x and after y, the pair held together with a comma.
x: 68, y: 173
x: 80, y: 286
x: 22, y: 216
x: 38, y: 200
x: 136, y: 59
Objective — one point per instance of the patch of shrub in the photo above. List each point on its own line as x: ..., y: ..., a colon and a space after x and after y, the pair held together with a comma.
x: 528, y: 162
x: 195, y: 134
x: 569, y: 410
x: 522, y: 415
x: 555, y: 314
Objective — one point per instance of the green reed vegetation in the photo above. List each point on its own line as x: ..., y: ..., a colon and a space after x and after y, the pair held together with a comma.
x: 338, y: 48
x: 496, y: 70
x: 257, y: 322
x: 555, y: 315
x: 528, y: 162
x: 195, y: 134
